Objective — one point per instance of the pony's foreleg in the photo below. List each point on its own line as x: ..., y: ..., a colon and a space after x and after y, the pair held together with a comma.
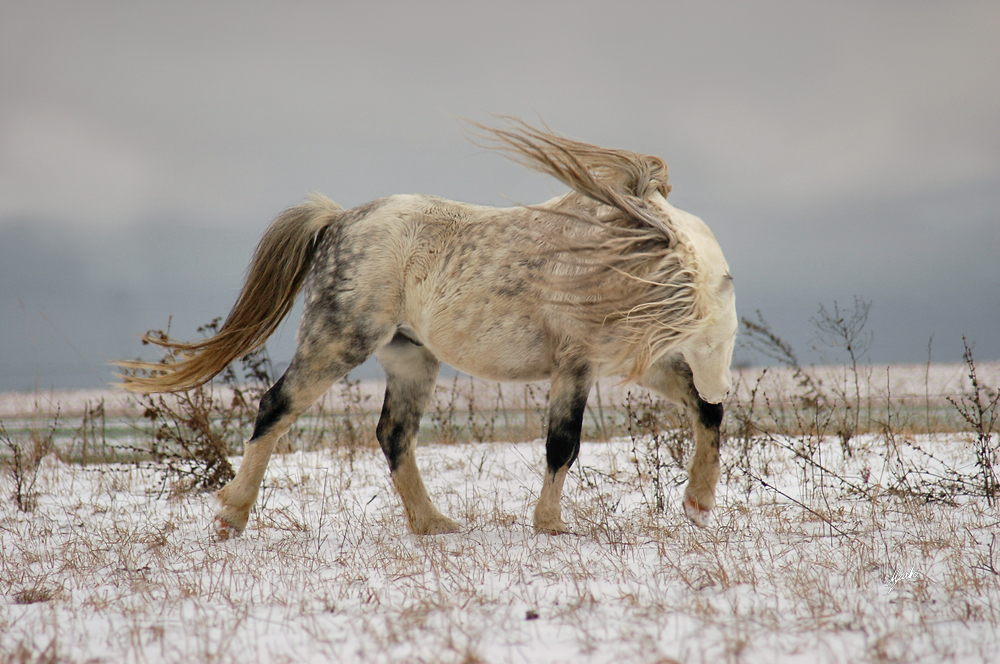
x: 703, y: 473
x: 672, y: 378
x: 411, y: 374
x: 568, y: 398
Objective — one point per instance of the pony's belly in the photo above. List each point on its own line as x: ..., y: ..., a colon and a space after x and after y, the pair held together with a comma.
x: 500, y: 371
x: 492, y: 354
x: 481, y: 333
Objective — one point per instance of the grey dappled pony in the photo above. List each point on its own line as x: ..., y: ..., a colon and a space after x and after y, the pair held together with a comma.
x: 608, y: 279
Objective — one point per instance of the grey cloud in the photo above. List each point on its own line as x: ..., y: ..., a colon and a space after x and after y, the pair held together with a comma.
x: 834, y: 149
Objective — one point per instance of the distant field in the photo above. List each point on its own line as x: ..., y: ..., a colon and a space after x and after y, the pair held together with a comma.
x: 466, y: 409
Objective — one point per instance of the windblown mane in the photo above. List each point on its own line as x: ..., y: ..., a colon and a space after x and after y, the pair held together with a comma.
x: 629, y: 270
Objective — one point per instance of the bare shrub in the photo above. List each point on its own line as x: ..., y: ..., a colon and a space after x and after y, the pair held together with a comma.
x: 978, y: 408
x: 351, y: 427
x: 815, y: 412
x: 188, y: 441
x: 816, y: 406
x: 845, y: 329
x: 747, y: 434
x: 759, y: 336
x: 803, y: 420
x: 443, y: 414
x: 25, y: 458
x: 194, y: 432
x: 93, y: 430
x: 482, y: 423
x: 661, y: 443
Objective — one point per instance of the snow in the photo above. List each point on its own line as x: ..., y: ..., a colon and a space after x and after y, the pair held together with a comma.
x: 327, y: 570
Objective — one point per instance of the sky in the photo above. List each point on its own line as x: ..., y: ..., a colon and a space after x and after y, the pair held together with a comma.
x: 836, y: 149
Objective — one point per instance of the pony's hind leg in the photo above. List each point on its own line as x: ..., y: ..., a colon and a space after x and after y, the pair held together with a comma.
x: 568, y: 398
x: 410, y: 376
x: 672, y: 378
x: 317, y: 364
x: 279, y: 407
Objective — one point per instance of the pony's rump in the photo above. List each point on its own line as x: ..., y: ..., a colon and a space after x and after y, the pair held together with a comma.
x: 275, y: 275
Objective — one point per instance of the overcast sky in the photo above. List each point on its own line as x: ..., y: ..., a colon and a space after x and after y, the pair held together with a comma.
x: 835, y: 149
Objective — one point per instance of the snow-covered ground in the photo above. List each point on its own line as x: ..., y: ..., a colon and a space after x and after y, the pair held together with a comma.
x: 108, y: 569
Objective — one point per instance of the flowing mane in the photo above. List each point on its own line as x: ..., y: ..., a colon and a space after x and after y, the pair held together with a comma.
x: 634, y: 274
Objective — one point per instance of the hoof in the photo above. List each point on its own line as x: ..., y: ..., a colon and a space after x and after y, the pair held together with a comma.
x: 224, y: 530
x: 552, y: 527
x: 700, y: 516
x: 229, y: 522
x: 439, y: 524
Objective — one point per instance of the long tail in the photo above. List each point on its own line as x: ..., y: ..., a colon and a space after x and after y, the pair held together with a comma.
x: 275, y: 275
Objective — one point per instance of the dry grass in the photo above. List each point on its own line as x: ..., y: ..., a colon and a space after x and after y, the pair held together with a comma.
x: 107, y: 569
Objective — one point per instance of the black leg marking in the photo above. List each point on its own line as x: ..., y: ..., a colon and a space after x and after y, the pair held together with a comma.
x: 274, y: 405
x: 709, y: 414
x: 569, y: 394
x: 562, y: 444
x: 400, y: 420
x: 410, y: 376
x: 570, y: 387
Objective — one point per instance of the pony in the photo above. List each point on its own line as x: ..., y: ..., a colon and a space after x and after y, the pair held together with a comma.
x: 608, y: 279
